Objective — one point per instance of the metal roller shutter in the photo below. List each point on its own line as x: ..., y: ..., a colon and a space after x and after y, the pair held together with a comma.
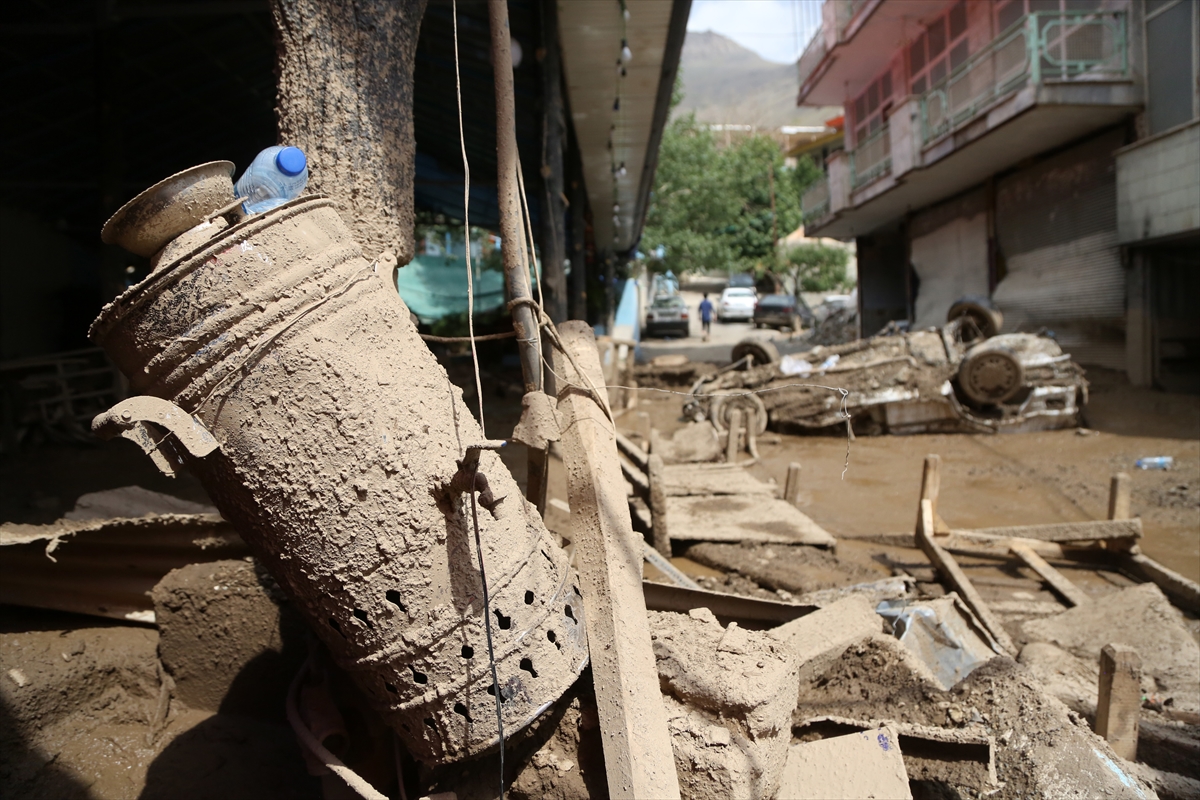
x: 1056, y: 226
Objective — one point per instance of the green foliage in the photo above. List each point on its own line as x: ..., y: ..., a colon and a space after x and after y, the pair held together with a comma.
x: 816, y: 267
x: 711, y: 207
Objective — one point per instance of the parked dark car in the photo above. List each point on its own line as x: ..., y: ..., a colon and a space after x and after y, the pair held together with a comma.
x: 782, y: 311
x: 668, y: 316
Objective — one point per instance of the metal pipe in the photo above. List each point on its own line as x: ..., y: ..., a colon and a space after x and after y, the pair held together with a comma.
x: 516, y: 272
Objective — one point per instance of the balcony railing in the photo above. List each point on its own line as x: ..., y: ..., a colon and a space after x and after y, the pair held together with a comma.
x: 836, y: 13
x: 1048, y: 46
x: 871, y: 158
x: 815, y: 200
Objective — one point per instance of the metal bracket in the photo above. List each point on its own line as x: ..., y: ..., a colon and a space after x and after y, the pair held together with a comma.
x: 149, y: 422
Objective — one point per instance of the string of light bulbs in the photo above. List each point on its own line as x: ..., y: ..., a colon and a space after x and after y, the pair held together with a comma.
x: 624, y: 56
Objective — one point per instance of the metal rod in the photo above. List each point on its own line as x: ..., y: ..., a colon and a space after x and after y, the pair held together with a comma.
x: 516, y: 272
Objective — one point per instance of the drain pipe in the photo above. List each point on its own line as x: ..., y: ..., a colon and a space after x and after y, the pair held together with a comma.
x: 516, y: 270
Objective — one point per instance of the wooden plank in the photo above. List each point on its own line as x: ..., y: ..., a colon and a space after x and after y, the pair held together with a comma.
x: 958, y: 579
x: 1184, y: 592
x: 748, y: 518
x: 969, y: 544
x: 1058, y: 582
x: 1119, y: 704
x: 639, y: 482
x: 1118, y: 497
x: 659, y: 521
x: 683, y: 480
x: 748, y: 612
x: 1088, y: 531
x: 630, y: 450
x: 633, y: 719
x: 792, y: 485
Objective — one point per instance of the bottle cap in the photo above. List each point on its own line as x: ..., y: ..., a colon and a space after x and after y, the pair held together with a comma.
x: 291, y: 161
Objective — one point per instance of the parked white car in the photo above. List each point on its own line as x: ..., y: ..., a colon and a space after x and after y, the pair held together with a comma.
x: 736, y: 303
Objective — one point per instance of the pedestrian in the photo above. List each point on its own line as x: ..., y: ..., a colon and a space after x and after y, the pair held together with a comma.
x: 706, y: 309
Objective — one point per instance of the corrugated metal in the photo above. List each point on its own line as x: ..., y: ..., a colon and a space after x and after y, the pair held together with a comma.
x: 1056, y: 225
x: 1077, y: 281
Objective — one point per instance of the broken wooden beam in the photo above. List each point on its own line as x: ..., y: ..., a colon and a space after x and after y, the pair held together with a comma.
x: 958, y: 579
x: 641, y: 486
x: 1119, y: 492
x: 792, y: 485
x: 631, y: 451
x: 1184, y: 592
x: 1088, y: 531
x: 633, y: 719
x: 1119, y: 707
x: 748, y: 612
x: 658, y: 505
x: 1058, y: 582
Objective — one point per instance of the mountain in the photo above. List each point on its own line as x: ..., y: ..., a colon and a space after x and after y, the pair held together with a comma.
x: 724, y: 82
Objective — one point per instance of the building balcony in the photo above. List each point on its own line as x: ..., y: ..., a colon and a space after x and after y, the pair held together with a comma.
x: 871, y: 159
x: 1047, y: 47
x: 814, y: 203
x: 1051, y: 79
x: 856, y: 40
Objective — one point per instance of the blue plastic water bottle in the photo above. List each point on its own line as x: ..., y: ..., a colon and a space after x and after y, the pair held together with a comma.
x: 277, y: 175
x: 1156, y: 462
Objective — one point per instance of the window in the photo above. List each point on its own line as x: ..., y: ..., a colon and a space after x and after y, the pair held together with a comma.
x: 942, y: 48
x: 870, y: 109
x: 1169, y: 67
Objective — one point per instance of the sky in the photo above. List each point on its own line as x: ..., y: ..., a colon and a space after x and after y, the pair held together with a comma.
x: 778, y: 30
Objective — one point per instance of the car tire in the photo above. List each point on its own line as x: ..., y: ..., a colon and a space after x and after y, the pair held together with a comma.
x: 763, y: 351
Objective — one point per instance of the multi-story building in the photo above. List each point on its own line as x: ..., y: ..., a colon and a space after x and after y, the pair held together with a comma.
x: 1043, y: 153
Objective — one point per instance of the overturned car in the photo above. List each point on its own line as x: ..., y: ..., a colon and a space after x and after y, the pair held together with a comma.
x: 964, y: 377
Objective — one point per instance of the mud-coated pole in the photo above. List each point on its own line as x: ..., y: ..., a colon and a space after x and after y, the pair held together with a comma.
x: 516, y: 271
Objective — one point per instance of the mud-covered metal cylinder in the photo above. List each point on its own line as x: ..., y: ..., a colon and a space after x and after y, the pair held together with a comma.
x: 339, y: 436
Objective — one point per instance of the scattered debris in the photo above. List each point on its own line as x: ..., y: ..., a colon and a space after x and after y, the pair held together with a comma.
x: 943, y: 633
x: 729, y: 694
x: 1141, y: 617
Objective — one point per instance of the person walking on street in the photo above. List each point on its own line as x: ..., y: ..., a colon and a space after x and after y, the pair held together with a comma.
x: 706, y: 309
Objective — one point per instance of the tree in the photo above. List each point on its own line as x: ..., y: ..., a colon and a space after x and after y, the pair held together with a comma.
x: 815, y: 267
x: 345, y: 98
x: 711, y: 208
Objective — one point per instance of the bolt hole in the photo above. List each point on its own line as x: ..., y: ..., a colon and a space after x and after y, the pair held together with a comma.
x: 333, y: 623
x: 393, y: 597
x: 429, y: 722
x: 528, y: 598
x: 468, y: 651
x: 461, y: 710
x: 391, y: 688
x: 492, y: 691
x: 577, y: 593
x: 552, y: 636
x: 418, y: 676
x: 570, y: 612
x: 504, y: 622
x: 527, y: 665
x: 362, y: 617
